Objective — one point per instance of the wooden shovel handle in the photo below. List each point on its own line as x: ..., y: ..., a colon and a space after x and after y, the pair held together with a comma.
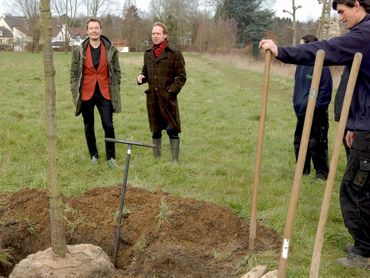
x: 319, y: 61
x: 316, y: 255
x: 261, y: 135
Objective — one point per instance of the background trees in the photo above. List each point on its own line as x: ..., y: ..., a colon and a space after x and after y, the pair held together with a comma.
x: 30, y: 9
x: 253, y: 20
x: 198, y: 25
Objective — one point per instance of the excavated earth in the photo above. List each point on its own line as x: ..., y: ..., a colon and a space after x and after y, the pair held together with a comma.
x: 161, y: 235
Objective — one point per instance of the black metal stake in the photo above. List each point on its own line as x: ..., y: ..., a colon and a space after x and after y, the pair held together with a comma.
x: 123, y: 191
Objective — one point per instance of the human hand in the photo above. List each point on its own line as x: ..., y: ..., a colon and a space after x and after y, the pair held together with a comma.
x: 269, y: 45
x: 140, y: 78
x: 350, y: 136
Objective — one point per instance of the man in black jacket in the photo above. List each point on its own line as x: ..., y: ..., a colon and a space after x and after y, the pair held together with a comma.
x: 355, y: 187
x: 318, y: 142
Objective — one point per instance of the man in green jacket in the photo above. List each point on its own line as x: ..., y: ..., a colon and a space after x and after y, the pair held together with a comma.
x: 164, y: 70
x: 95, y: 79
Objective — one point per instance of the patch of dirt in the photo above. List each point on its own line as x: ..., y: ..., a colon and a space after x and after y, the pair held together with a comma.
x: 161, y: 235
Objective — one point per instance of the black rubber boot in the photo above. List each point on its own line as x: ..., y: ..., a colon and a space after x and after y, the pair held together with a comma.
x: 157, y: 148
x: 175, y: 149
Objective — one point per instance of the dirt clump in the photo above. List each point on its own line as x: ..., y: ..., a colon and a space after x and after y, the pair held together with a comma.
x: 161, y: 235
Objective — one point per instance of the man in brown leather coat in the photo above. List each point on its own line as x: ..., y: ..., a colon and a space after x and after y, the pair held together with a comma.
x: 164, y: 71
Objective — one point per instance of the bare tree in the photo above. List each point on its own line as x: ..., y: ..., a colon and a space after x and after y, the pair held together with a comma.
x: 66, y: 10
x: 99, y: 8
x: 30, y: 9
x: 58, y: 238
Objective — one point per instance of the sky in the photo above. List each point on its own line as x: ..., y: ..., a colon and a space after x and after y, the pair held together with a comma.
x: 310, y: 9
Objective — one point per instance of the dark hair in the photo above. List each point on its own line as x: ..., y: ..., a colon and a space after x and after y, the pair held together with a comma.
x: 93, y: 19
x: 309, y: 38
x: 351, y: 3
x: 162, y: 25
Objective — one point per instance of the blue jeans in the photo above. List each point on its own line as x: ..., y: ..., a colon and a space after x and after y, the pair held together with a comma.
x: 105, y: 109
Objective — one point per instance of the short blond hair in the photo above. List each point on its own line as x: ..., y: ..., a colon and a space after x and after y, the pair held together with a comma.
x: 162, y: 25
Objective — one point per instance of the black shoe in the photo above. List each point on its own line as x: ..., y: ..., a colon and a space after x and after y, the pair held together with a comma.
x: 354, y: 261
x: 321, y: 176
x: 348, y: 248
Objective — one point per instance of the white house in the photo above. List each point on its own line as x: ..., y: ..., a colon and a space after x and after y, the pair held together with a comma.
x: 14, y: 33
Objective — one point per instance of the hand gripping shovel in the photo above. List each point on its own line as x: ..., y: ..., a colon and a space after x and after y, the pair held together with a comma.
x: 257, y: 169
x: 315, y: 263
x: 319, y: 61
x: 123, y: 191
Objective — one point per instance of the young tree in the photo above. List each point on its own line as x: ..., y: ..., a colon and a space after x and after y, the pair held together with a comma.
x: 58, y: 238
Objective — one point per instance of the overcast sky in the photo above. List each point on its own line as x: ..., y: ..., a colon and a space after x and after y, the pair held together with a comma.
x: 310, y: 9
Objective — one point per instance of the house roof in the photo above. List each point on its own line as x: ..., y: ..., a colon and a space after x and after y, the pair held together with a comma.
x: 5, y: 33
x: 15, y: 21
x: 78, y: 31
x: 18, y: 22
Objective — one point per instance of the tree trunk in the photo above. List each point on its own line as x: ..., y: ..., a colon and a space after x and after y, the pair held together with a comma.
x: 58, y: 238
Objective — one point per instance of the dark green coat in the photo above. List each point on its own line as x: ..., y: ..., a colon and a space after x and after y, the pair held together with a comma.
x: 76, y: 74
x: 165, y: 75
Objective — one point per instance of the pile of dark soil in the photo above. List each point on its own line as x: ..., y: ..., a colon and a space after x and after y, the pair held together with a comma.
x: 162, y: 235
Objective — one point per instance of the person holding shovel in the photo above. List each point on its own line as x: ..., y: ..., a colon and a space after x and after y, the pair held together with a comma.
x: 95, y: 79
x: 164, y: 71
x: 318, y: 142
x: 355, y: 186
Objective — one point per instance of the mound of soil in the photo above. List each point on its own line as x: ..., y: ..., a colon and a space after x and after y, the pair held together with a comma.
x: 161, y: 235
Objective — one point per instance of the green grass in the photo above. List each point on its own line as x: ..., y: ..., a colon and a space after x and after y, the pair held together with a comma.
x: 5, y: 258
x: 220, y: 107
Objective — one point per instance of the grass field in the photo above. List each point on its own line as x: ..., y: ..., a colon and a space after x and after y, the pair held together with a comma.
x: 220, y: 106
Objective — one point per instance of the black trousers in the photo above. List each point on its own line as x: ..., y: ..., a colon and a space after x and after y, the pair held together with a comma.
x: 355, y: 194
x: 105, y: 109
x: 318, y: 142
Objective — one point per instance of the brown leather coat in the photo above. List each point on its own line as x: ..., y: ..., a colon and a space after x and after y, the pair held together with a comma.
x: 166, y: 76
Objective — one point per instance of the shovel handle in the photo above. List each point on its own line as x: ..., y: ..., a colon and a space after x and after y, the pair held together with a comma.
x: 316, y: 77
x: 261, y: 135
x: 316, y: 255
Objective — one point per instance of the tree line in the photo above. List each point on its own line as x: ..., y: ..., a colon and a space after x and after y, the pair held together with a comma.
x: 194, y: 25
